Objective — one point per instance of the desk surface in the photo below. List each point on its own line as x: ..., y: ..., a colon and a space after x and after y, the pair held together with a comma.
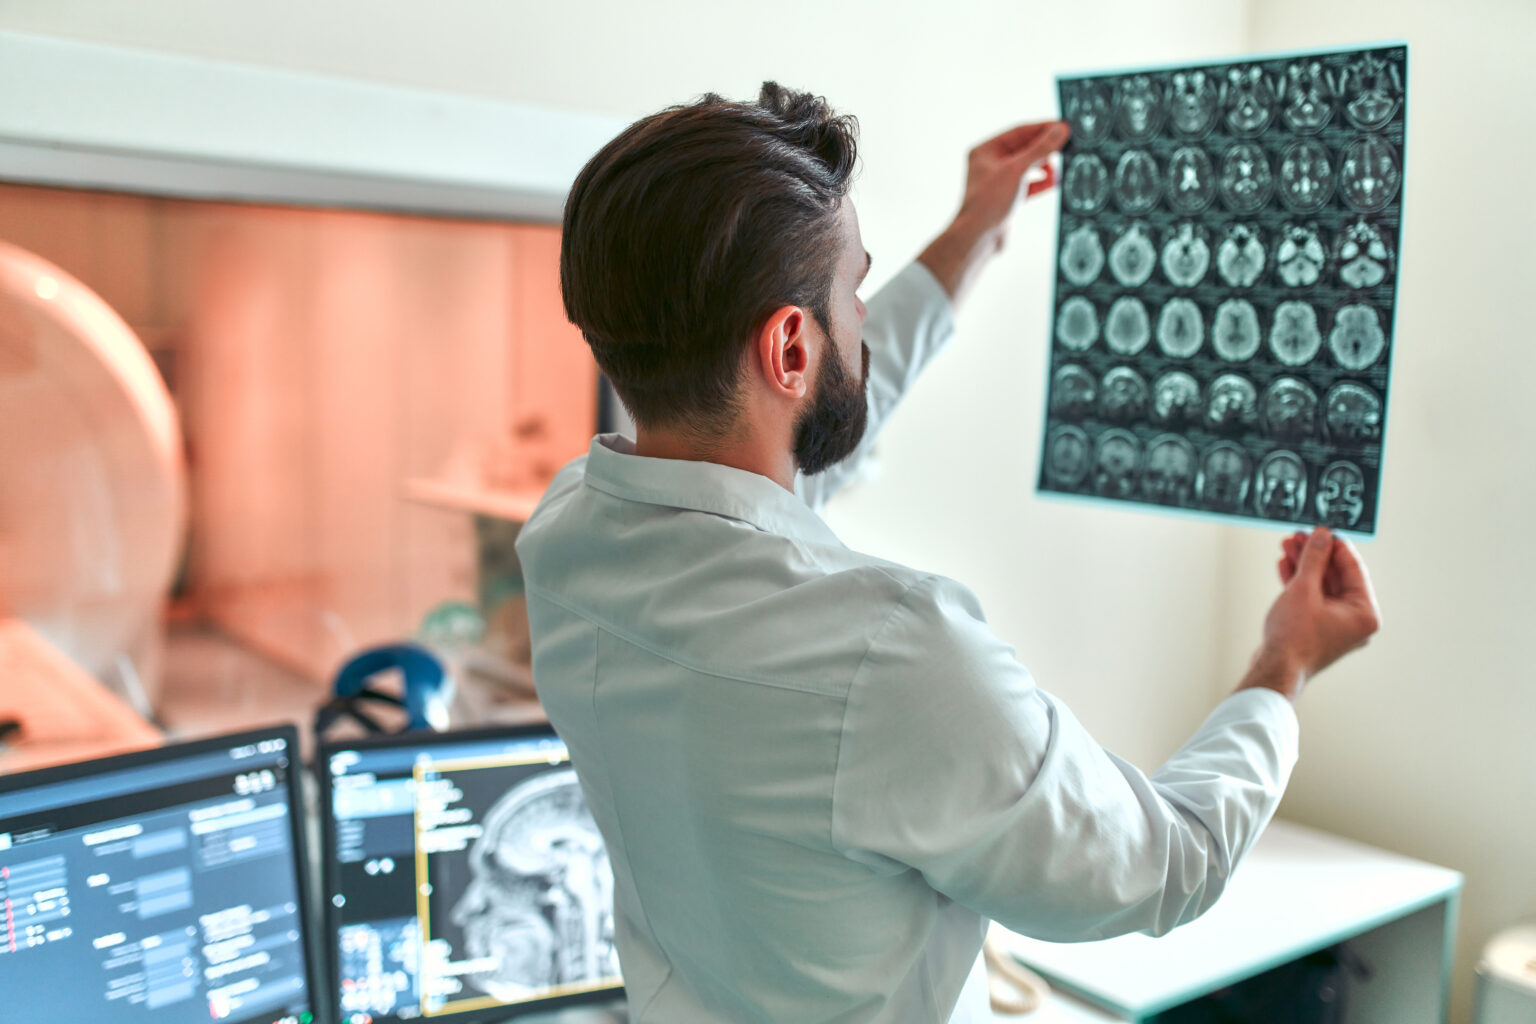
x: 1299, y: 890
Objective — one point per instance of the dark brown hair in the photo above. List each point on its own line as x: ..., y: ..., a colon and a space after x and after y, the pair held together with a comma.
x: 687, y: 231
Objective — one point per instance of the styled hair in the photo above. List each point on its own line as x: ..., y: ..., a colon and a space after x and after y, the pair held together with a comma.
x: 685, y: 233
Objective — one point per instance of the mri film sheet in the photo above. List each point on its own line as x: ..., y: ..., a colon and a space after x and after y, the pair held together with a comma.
x: 1226, y: 283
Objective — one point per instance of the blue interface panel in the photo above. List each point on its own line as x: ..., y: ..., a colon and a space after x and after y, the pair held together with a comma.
x: 466, y: 879
x: 160, y: 887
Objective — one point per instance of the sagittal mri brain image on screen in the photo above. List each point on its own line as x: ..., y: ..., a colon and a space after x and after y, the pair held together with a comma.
x: 518, y: 890
x: 1226, y: 286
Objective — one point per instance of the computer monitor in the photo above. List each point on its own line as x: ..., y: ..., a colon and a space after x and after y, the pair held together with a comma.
x: 465, y: 879
x: 161, y: 887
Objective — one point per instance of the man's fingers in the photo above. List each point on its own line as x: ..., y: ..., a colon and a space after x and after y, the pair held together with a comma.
x: 1287, y: 569
x: 1315, y: 556
x: 1029, y: 143
x: 1350, y: 572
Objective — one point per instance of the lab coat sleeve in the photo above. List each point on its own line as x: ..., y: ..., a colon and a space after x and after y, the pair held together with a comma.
x: 953, y: 762
x: 908, y: 322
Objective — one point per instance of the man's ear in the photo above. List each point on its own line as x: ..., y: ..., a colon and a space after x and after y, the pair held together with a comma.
x: 783, y: 353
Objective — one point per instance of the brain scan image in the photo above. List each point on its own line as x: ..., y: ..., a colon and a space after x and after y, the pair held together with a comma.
x: 1300, y: 256
x: 1309, y: 90
x: 1306, y: 176
x: 1289, y: 410
x: 1180, y: 328
x: 1352, y: 414
x: 1228, y: 257
x: 1082, y: 255
x: 1168, y: 478
x: 1280, y: 486
x: 1138, y: 108
x: 1191, y: 180
x: 1226, y: 474
x: 1132, y: 256
x: 1194, y: 98
x: 1250, y: 100
x: 1127, y: 329
x: 1240, y: 256
x: 1363, y: 255
x: 539, y: 906
x: 1123, y: 396
x: 1137, y: 181
x: 1235, y: 334
x: 1074, y: 392
x: 1294, y: 337
x: 1090, y: 113
x: 1085, y: 189
x: 1077, y: 324
x: 1369, y: 174
x: 1186, y: 255
x: 1233, y: 404
x: 1176, y: 400
x: 1245, y: 182
x: 1116, y: 464
x: 1067, y: 456
x: 1357, y: 339
x: 1374, y: 87
x: 1340, y: 494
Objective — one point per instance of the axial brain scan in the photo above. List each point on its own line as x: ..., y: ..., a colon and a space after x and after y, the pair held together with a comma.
x: 1127, y: 328
x: 1231, y: 231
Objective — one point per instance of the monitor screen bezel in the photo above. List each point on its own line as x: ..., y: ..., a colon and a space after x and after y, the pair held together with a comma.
x: 329, y: 874
x: 297, y: 813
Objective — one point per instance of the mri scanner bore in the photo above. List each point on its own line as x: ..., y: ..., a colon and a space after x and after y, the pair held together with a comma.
x: 1226, y: 286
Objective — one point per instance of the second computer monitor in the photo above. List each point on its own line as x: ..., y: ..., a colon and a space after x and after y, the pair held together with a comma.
x: 465, y: 878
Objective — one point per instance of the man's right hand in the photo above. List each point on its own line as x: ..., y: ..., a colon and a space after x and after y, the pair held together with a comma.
x: 1326, y: 610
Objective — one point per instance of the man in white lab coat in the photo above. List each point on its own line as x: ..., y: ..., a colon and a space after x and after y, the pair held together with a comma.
x: 819, y: 774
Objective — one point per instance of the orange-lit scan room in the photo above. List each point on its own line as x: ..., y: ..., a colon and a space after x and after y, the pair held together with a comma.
x: 827, y: 513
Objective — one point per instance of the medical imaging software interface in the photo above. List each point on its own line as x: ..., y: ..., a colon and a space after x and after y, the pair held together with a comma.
x: 465, y: 876
x: 163, y: 892
x: 1226, y: 286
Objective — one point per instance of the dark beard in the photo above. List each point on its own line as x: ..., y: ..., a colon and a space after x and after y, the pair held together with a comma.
x: 829, y: 431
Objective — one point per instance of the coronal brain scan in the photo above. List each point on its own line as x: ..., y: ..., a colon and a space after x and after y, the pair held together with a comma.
x: 1340, y: 494
x: 1116, y: 463
x: 1226, y: 285
x: 1169, y: 475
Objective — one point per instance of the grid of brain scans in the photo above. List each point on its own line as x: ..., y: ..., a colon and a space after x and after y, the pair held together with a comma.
x: 1225, y: 286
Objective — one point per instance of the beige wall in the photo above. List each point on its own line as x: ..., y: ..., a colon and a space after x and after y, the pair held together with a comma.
x: 1424, y: 743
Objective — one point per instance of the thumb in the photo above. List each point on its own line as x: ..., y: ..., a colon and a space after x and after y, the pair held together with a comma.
x: 1315, y: 556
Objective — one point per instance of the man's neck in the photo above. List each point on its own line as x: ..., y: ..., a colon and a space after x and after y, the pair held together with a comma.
x: 746, y: 452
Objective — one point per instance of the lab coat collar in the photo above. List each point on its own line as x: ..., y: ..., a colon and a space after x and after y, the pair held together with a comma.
x: 614, y: 468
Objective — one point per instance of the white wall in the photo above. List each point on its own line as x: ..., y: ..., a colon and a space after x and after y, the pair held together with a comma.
x: 1426, y: 741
